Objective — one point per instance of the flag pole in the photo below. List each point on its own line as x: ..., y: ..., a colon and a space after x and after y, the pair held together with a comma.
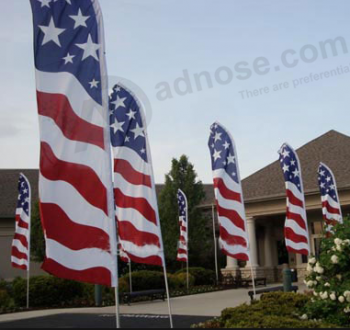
x: 253, y: 280
x: 29, y: 240
x: 130, y: 279
x: 187, y: 262
x: 215, y: 246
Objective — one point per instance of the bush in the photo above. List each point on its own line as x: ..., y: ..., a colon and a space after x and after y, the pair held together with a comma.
x: 46, y: 291
x: 182, y: 280
x: 274, y: 310
x: 329, y: 278
x: 201, y: 276
x: 5, y: 300
x: 146, y: 280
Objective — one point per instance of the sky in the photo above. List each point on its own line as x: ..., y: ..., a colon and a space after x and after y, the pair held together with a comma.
x: 266, y: 75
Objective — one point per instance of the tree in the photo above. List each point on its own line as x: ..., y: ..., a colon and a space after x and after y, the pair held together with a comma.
x: 329, y: 278
x: 182, y: 175
x: 37, y: 236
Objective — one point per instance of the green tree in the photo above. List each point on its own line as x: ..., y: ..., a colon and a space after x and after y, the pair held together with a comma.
x: 37, y: 236
x: 182, y: 175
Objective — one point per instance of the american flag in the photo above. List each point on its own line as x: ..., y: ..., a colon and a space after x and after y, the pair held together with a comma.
x: 75, y: 186
x: 296, y: 230
x: 134, y: 188
x: 331, y: 209
x: 234, y: 240
x: 182, y: 254
x: 20, y: 255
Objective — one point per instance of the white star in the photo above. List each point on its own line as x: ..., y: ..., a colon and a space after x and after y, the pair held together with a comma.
x: 213, y: 145
x: 226, y: 145
x: 231, y: 159
x: 131, y: 114
x: 117, y: 126
x: 127, y: 139
x: 90, y: 49
x: 138, y: 131
x: 79, y: 19
x: 332, y: 187
x: 119, y: 102
x: 292, y: 162
x: 68, y: 58
x: 217, y: 155
x: 143, y: 150
x: 328, y: 179
x: 45, y: 3
x: 285, y: 153
x: 94, y: 83
x: 296, y: 172
x: 322, y: 173
x: 25, y: 191
x: 285, y: 168
x: 51, y: 33
x: 217, y: 137
x: 323, y: 185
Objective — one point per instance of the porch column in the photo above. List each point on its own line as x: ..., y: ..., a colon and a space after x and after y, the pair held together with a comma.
x: 268, y: 247
x: 232, y: 264
x: 252, y: 243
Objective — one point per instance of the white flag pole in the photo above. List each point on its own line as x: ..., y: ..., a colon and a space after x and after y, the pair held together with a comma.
x: 130, y: 278
x: 253, y: 280
x: 215, y: 247
x: 29, y: 234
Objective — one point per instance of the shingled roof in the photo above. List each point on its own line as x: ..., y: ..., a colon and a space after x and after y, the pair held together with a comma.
x: 332, y: 148
x: 9, y: 192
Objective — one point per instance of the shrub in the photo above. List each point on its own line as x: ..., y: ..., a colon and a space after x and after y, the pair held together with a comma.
x: 329, y: 278
x: 46, y: 291
x: 274, y: 310
x: 201, y: 276
x: 146, y: 280
x: 5, y: 300
x: 182, y: 280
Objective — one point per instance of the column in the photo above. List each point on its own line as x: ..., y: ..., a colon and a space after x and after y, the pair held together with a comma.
x: 268, y: 247
x: 232, y: 264
x: 252, y: 243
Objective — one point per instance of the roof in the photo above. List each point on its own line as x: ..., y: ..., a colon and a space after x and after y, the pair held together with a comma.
x: 9, y: 192
x: 332, y: 148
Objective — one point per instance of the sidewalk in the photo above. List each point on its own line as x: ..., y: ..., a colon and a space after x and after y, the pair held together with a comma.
x: 207, y: 304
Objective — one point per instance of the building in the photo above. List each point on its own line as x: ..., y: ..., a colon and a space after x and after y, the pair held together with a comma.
x: 265, y: 201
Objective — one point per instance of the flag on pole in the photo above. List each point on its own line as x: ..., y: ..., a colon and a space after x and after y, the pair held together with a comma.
x: 182, y: 254
x: 296, y: 230
x: 134, y: 188
x: 233, y: 240
x: 75, y: 186
x: 20, y: 255
x: 331, y: 208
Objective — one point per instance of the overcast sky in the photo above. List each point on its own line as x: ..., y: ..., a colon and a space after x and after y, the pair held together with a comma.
x: 240, y: 44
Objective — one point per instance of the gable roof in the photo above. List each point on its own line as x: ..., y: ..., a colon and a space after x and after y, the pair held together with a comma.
x: 332, y: 148
x: 9, y: 192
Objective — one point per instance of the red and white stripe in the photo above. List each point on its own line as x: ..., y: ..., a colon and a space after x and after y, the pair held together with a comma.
x: 231, y: 214
x: 20, y: 253
x: 182, y: 253
x: 136, y: 206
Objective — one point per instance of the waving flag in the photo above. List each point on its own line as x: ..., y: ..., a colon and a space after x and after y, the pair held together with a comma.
x: 295, y: 229
x: 75, y: 186
x: 182, y: 254
x: 329, y: 195
x: 134, y: 188
x: 234, y: 240
x: 20, y: 256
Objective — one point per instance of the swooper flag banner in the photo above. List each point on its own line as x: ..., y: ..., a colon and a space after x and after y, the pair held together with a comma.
x: 182, y: 253
x: 134, y: 188
x: 296, y: 230
x: 331, y: 208
x: 234, y: 241
x: 75, y: 185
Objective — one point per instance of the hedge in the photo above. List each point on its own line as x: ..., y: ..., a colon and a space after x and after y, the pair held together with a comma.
x: 201, y: 276
x: 274, y: 310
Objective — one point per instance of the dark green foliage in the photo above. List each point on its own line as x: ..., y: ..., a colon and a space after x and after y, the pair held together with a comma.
x: 47, y: 291
x: 274, y: 310
x: 201, y: 276
x: 146, y: 280
x: 37, y: 236
x: 182, y: 175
